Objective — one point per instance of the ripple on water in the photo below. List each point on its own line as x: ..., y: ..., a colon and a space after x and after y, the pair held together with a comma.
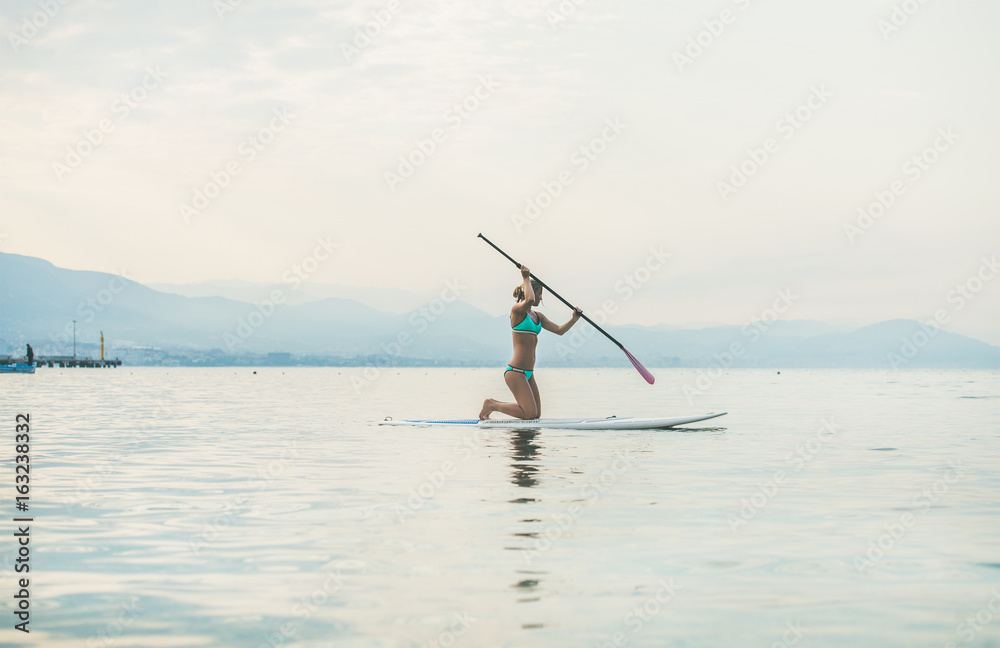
x: 70, y: 548
x: 826, y: 566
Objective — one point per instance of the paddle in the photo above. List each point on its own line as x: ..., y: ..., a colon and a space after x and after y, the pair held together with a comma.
x: 635, y: 363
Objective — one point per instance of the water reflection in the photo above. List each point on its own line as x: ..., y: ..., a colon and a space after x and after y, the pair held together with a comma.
x: 525, y: 470
x: 525, y: 451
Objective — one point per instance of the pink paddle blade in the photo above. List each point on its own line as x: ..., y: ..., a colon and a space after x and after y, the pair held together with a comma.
x: 638, y: 367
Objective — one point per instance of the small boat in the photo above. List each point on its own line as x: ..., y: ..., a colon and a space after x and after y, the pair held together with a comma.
x: 17, y: 367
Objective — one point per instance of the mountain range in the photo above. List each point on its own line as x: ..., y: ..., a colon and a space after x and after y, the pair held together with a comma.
x: 39, y: 303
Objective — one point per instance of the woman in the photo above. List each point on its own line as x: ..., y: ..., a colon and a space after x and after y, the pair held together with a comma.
x: 526, y: 324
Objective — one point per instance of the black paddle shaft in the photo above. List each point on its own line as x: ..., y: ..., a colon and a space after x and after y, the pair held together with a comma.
x: 557, y: 295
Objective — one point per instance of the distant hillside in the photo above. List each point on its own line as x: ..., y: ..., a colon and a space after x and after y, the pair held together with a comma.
x: 38, y: 303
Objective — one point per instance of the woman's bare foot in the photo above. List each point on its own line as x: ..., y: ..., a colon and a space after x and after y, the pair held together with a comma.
x: 488, y: 408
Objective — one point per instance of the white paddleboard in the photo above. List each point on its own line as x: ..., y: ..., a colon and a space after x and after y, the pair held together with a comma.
x: 609, y: 423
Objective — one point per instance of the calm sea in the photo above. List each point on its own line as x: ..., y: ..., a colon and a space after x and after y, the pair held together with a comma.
x: 223, y: 507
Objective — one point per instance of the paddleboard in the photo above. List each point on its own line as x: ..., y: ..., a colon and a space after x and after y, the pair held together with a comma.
x: 609, y: 423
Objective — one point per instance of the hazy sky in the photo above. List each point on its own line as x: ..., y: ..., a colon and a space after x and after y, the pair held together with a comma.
x: 824, y: 104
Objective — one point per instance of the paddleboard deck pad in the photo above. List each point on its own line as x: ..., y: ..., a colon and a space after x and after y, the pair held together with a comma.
x: 609, y: 423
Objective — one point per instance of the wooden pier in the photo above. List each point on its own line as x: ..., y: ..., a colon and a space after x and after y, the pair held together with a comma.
x: 67, y: 362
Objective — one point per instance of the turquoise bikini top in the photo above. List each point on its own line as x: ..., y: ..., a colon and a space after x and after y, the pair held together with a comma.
x: 528, y: 325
